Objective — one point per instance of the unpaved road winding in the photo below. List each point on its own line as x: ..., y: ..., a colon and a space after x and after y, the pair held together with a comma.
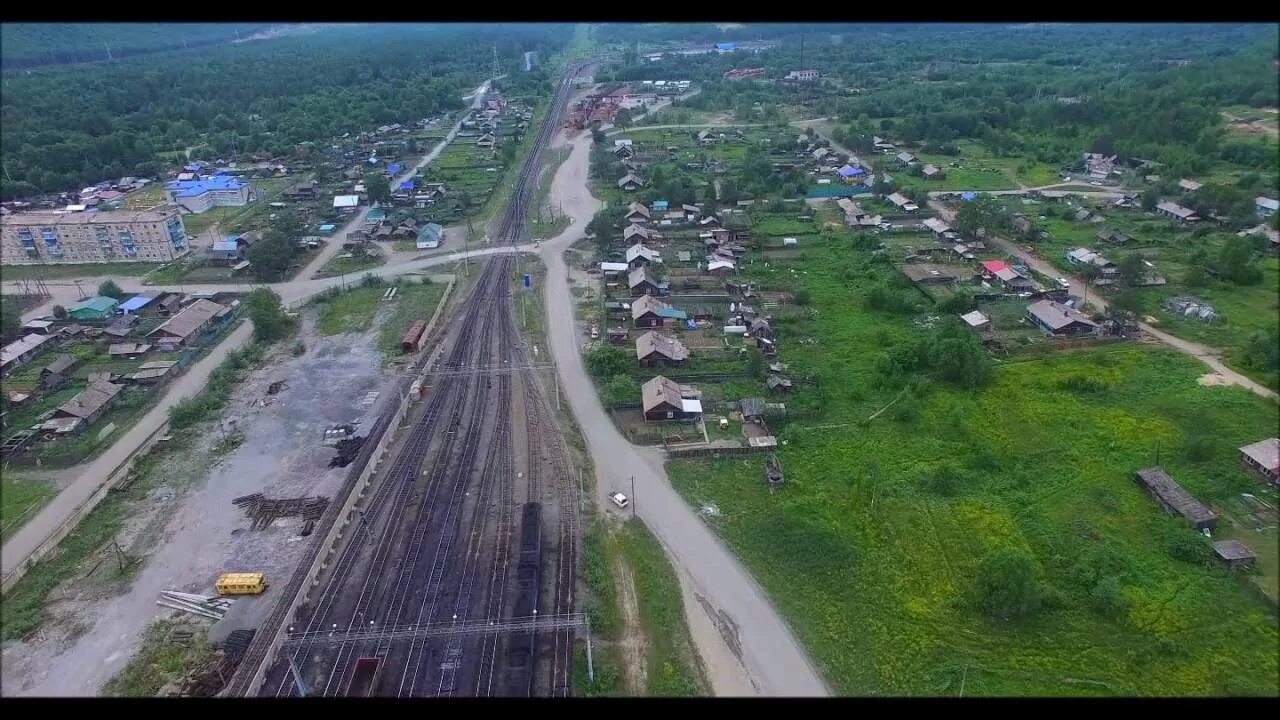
x: 744, y: 644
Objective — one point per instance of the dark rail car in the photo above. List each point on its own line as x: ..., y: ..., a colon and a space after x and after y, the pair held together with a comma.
x: 528, y: 569
x: 364, y: 677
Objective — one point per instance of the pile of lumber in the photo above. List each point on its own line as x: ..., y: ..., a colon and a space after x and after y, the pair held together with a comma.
x: 263, y: 510
x: 203, y: 605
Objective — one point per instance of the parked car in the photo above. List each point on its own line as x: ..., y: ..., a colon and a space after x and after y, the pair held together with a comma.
x: 1062, y: 283
x: 620, y: 500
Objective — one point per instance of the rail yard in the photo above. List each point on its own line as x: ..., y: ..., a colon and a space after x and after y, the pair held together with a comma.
x: 457, y: 573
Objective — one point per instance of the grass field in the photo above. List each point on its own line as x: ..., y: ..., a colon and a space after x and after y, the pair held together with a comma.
x: 671, y: 665
x: 20, y: 500
x: 59, y: 271
x: 340, y: 265
x: 159, y: 662
x: 871, y: 548
x: 413, y: 301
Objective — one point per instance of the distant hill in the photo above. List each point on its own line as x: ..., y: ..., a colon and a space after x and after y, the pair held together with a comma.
x: 27, y: 45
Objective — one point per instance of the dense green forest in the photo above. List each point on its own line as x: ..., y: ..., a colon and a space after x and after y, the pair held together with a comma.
x: 66, y: 127
x: 1151, y: 92
x: 24, y: 45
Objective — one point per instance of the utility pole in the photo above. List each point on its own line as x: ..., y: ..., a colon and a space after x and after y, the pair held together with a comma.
x: 633, y: 496
x: 297, y: 676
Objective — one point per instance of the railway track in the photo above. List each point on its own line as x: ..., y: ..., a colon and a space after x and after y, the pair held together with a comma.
x: 435, y: 542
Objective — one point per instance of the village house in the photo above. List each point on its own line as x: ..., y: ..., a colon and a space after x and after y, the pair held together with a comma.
x: 21, y: 351
x: 1085, y: 256
x: 1266, y: 206
x: 94, y: 308
x: 905, y: 158
x: 85, y: 408
x: 639, y: 234
x: 648, y: 312
x: 664, y: 399
x: 613, y: 270
x: 1059, y: 320
x: 642, y: 281
x: 187, y: 324
x: 623, y: 149
x: 1174, y: 211
x: 1174, y: 499
x: 802, y: 75
x: 656, y: 350
x: 931, y: 274
x: 151, y: 373
x: 1263, y: 458
x: 778, y: 383
x: 430, y: 236
x: 902, y: 202
x: 128, y: 350
x: 706, y: 137
x: 637, y: 213
x: 1113, y: 237
x: 720, y: 266
x: 932, y: 172
x: 937, y: 226
x: 1189, y: 185
x: 1099, y: 166
x: 630, y: 183
x: 640, y: 256
x: 976, y: 320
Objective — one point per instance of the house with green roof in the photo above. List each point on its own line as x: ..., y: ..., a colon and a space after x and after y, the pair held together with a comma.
x: 95, y: 308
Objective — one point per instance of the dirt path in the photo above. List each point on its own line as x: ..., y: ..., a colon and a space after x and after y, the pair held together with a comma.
x: 744, y: 644
x: 632, y: 639
x: 1208, y: 355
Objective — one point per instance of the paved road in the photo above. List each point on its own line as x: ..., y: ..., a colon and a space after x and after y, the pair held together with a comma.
x: 1208, y: 355
x: 91, y: 477
x: 771, y: 660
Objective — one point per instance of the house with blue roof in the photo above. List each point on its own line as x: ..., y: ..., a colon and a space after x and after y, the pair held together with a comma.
x: 725, y: 46
x: 197, y: 196
x: 394, y: 168
x: 406, y: 187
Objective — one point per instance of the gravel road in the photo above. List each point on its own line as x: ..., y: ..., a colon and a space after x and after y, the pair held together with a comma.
x: 745, y: 645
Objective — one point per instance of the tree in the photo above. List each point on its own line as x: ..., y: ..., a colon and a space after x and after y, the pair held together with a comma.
x: 378, y: 186
x: 1235, y: 261
x: 271, y: 256
x: 10, y: 320
x: 108, y: 288
x: 607, y: 361
x: 59, y: 312
x: 1126, y: 304
x: 269, y: 320
x: 1131, y: 269
x: 597, y: 135
x: 1007, y: 583
x: 1150, y: 197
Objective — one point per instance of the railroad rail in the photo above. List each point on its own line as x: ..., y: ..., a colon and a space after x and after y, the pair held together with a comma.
x: 440, y: 539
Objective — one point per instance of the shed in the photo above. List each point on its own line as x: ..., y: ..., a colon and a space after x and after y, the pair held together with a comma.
x: 1174, y: 499
x: 1234, y: 553
x: 976, y: 320
x: 135, y: 303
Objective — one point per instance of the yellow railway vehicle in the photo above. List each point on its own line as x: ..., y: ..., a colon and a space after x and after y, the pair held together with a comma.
x: 241, y: 583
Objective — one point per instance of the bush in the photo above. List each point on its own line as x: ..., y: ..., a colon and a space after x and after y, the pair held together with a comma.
x: 269, y: 320
x: 1105, y: 597
x: 372, y: 280
x: 607, y: 361
x: 621, y: 390
x: 59, y: 312
x: 1007, y: 584
x: 299, y: 348
x: 1189, y: 547
x: 944, y: 481
x: 801, y: 297
x: 1082, y: 384
x: 110, y: 289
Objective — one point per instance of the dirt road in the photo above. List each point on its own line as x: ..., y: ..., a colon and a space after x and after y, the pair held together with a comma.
x: 1208, y: 355
x: 22, y: 543
x: 725, y: 606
